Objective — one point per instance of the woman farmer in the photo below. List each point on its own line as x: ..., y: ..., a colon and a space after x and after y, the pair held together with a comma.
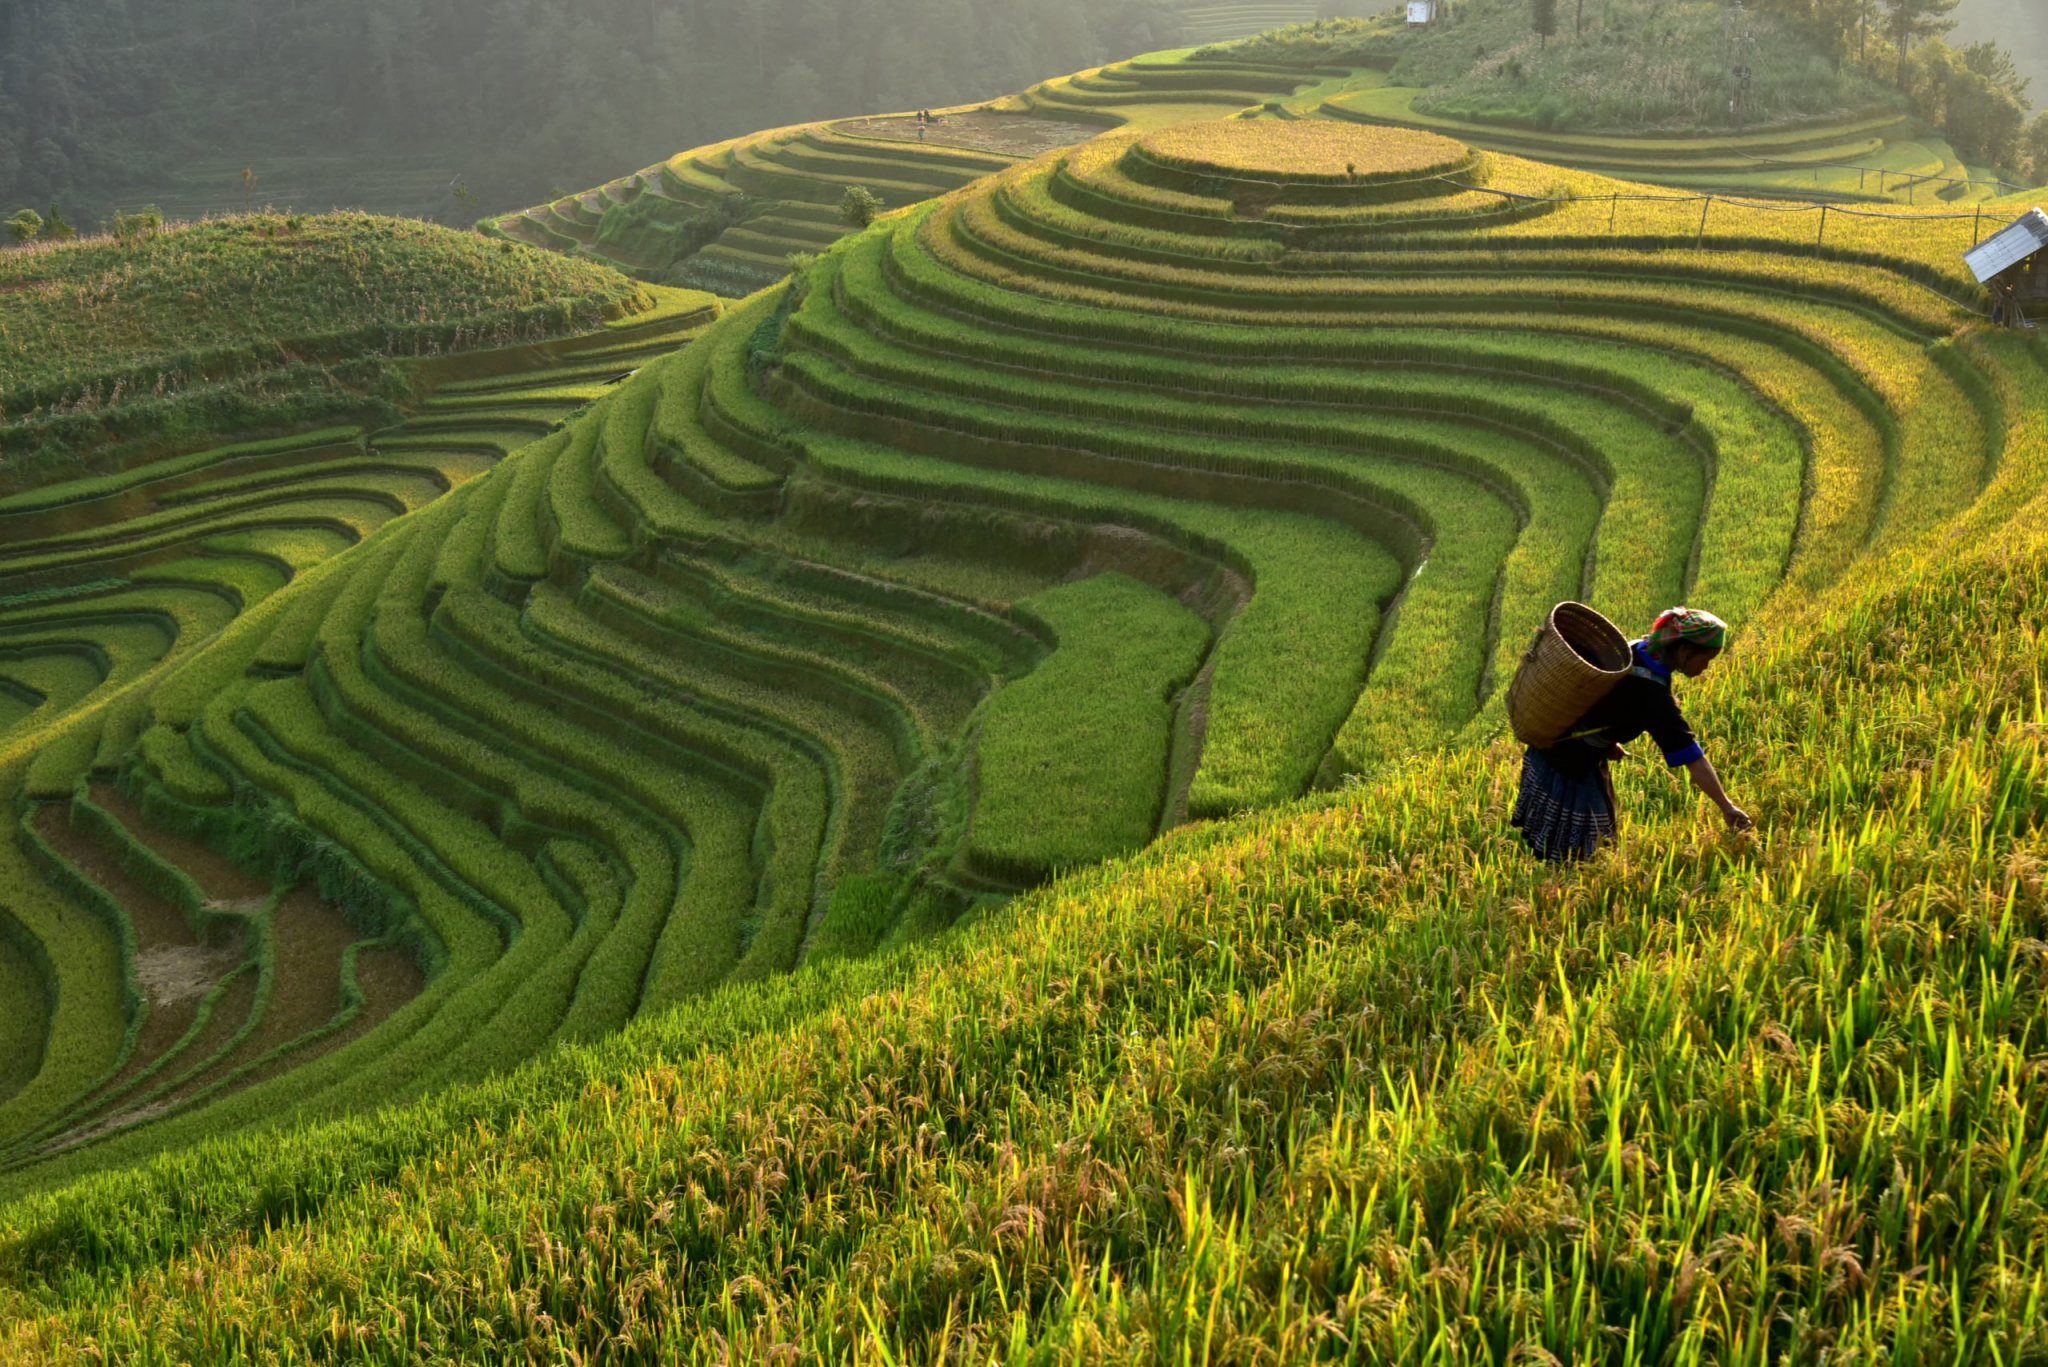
x: 1566, y: 807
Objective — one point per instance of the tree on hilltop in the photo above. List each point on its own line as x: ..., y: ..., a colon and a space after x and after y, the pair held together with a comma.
x: 1911, y: 20
x: 25, y: 227
x: 1543, y: 18
x: 2036, y: 150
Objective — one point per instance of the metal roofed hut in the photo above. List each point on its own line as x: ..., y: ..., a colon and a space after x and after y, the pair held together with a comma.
x: 2012, y: 264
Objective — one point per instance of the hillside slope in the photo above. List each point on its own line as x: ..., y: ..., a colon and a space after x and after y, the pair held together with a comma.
x: 108, y: 105
x: 773, y: 653
x: 497, y: 772
x: 187, y: 332
x: 1349, y: 1080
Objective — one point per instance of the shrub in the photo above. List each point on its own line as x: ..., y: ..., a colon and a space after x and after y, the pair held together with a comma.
x: 130, y: 229
x: 859, y: 206
x: 26, y: 226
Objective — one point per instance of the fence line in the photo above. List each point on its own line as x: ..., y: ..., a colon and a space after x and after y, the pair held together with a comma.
x: 1910, y: 179
x: 1706, y: 201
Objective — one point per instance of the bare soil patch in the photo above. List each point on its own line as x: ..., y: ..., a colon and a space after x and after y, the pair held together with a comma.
x: 222, y: 881
x: 172, y: 968
x: 172, y: 975
x: 1010, y: 135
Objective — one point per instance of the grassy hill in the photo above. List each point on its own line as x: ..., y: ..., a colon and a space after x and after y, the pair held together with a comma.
x: 180, y: 334
x: 1629, y: 65
x: 1212, y: 469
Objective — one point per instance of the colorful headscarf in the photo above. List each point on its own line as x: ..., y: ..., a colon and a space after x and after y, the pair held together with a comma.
x: 1694, y: 626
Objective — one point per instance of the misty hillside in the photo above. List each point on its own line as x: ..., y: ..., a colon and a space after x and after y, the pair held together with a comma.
x: 110, y: 104
x: 2021, y: 26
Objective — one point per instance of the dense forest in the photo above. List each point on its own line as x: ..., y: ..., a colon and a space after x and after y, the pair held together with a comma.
x: 107, y: 103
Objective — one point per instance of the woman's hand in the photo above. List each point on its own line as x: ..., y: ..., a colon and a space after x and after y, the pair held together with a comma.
x: 1707, y: 781
x: 1616, y: 753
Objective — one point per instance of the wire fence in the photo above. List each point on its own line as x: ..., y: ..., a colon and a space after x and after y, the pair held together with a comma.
x: 1911, y: 180
x: 1706, y: 200
x: 1975, y: 216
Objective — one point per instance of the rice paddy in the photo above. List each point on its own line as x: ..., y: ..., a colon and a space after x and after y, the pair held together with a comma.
x: 637, y: 773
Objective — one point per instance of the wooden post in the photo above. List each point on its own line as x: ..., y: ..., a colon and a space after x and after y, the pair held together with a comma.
x: 1977, y: 229
x: 1703, y: 221
x: 1614, y: 209
x: 1822, y: 235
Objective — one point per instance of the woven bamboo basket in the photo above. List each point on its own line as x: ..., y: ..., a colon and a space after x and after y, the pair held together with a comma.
x: 1577, y: 658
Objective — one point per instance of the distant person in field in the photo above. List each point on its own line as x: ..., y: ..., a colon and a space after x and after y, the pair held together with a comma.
x: 924, y: 117
x: 1566, y: 807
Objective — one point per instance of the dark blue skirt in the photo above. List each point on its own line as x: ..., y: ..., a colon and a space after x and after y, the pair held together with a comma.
x: 1562, y: 817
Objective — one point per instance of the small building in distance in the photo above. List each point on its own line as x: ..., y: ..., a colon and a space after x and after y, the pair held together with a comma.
x: 1422, y: 11
x: 2013, y: 264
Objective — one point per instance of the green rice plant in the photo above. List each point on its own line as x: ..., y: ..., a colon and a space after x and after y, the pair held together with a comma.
x: 680, y: 440
x: 1093, y: 724
x: 1271, y: 711
x: 25, y: 1031
x: 869, y: 734
x: 1813, y: 340
x: 102, y: 486
x: 680, y: 933
x: 1582, y: 275
x: 935, y: 677
x: 750, y: 886
x: 291, y: 550
x: 1756, y: 461
x: 1601, y: 976
x: 164, y: 752
x: 399, y: 490
x: 243, y: 580
x: 518, y: 553
x: 88, y: 1019
x: 574, y: 524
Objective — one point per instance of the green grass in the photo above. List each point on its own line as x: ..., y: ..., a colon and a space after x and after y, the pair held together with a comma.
x: 1092, y: 725
x: 1591, y: 1054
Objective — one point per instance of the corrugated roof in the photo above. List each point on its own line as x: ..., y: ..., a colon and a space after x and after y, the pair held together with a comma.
x: 2005, y: 249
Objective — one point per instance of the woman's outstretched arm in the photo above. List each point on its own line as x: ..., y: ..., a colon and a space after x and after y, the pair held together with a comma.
x: 1707, y: 781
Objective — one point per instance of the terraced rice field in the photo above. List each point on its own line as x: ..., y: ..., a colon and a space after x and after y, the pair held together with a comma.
x: 497, y: 768
x: 173, y: 935
x: 1876, y: 155
x: 728, y: 217
x: 1219, y: 23
x: 1171, y: 476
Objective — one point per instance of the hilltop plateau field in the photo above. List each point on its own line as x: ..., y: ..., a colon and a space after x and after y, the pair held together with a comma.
x: 953, y: 807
